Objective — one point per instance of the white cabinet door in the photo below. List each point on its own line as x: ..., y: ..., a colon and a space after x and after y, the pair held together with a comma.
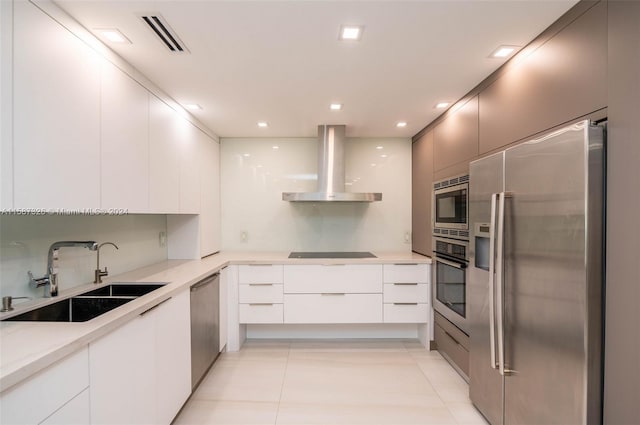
x: 123, y: 375
x: 260, y: 273
x: 340, y: 278
x: 6, y: 105
x: 406, y: 273
x: 332, y: 308
x: 173, y: 355
x: 190, y: 148
x: 125, y: 142
x: 36, y: 398
x: 260, y: 313
x: 56, y: 115
x: 75, y: 412
x: 209, y: 196
x: 164, y: 157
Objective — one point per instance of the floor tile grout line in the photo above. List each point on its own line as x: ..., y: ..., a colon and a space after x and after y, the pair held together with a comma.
x: 284, y: 377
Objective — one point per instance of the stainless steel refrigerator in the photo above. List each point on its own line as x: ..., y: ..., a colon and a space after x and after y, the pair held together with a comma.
x: 536, y: 279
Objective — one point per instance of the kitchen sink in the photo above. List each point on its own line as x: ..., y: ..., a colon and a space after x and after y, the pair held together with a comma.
x: 76, y: 309
x: 87, y: 305
x: 125, y: 289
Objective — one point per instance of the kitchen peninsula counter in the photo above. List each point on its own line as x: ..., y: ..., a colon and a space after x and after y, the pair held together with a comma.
x: 30, y: 347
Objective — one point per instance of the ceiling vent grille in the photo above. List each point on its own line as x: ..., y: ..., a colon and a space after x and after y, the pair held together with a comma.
x: 165, y: 33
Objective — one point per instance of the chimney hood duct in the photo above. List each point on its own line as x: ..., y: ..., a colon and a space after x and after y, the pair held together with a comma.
x: 331, y: 186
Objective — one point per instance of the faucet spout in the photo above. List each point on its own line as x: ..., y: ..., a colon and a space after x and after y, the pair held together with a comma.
x: 98, y: 273
x: 52, y: 273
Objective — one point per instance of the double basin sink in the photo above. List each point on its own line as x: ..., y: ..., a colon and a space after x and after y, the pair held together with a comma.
x: 87, y: 305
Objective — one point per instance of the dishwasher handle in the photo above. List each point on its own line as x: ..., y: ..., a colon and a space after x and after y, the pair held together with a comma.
x: 204, y: 282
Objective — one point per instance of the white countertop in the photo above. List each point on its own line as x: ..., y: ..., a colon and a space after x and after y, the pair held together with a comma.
x: 29, y: 347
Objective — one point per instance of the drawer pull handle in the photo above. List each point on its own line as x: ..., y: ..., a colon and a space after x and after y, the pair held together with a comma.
x: 261, y: 265
x: 406, y: 284
x: 451, y: 336
x: 333, y: 265
x: 405, y: 303
x: 332, y: 293
x: 154, y: 307
x: 260, y: 303
x: 261, y: 284
x: 406, y: 264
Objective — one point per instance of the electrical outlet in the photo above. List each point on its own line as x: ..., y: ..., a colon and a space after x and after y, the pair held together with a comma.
x: 162, y: 239
x: 407, y: 237
x: 244, y: 236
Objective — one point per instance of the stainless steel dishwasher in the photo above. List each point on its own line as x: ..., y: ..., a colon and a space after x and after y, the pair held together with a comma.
x: 205, y: 326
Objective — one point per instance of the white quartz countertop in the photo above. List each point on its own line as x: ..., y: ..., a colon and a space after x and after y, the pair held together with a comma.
x: 29, y: 347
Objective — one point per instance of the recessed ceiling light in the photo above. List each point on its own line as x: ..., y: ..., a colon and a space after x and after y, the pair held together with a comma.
x: 246, y: 154
x: 503, y: 51
x: 441, y: 105
x: 263, y: 124
x: 379, y: 147
x: 351, y: 32
x: 335, y: 106
x: 275, y: 147
x: 192, y: 106
x: 112, y: 35
x: 384, y: 155
x: 401, y: 124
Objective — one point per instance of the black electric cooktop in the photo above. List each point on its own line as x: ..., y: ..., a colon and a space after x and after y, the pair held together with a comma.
x: 331, y: 255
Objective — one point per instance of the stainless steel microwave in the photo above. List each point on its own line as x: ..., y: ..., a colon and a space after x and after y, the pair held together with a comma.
x: 451, y: 206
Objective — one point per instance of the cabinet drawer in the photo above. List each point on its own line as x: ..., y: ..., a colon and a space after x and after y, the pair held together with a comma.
x: 260, y: 313
x: 451, y: 348
x: 406, y: 313
x: 452, y: 330
x: 406, y: 273
x: 333, y: 308
x: 406, y: 293
x: 260, y: 293
x: 342, y: 278
x: 260, y: 273
x: 36, y: 398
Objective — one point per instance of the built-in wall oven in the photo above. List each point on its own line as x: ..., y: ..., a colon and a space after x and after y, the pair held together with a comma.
x: 451, y: 207
x: 450, y: 277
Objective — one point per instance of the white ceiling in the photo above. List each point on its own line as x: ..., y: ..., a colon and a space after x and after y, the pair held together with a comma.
x: 281, y: 61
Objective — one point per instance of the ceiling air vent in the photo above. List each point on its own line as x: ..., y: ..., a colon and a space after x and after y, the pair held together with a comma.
x: 165, y: 33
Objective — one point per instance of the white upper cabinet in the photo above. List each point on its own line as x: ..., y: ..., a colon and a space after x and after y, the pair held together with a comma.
x: 190, y: 147
x: 56, y: 115
x: 125, y: 142
x: 209, y: 196
x: 164, y: 160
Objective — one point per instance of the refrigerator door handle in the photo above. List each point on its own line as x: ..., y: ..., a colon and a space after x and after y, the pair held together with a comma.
x: 492, y: 282
x: 499, y: 281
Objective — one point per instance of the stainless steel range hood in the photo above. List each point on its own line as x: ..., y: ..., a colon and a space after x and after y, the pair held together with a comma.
x: 331, y: 186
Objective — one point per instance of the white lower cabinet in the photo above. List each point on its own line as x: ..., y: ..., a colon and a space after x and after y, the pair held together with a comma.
x: 141, y: 372
x: 406, y: 313
x: 173, y: 355
x: 406, y: 293
x: 260, y: 294
x: 122, y: 375
x: 260, y: 313
x: 53, y: 390
x: 75, y: 412
x: 333, y: 308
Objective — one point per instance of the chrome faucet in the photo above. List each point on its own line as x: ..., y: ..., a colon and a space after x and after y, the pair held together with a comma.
x: 51, y: 278
x: 99, y: 274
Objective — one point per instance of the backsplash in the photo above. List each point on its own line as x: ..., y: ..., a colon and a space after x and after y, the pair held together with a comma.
x: 25, y: 241
x: 255, y: 172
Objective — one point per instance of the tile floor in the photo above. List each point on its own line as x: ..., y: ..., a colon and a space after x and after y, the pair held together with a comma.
x: 331, y: 382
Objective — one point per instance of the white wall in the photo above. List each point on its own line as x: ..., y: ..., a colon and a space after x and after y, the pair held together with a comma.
x: 25, y: 241
x: 254, y: 175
